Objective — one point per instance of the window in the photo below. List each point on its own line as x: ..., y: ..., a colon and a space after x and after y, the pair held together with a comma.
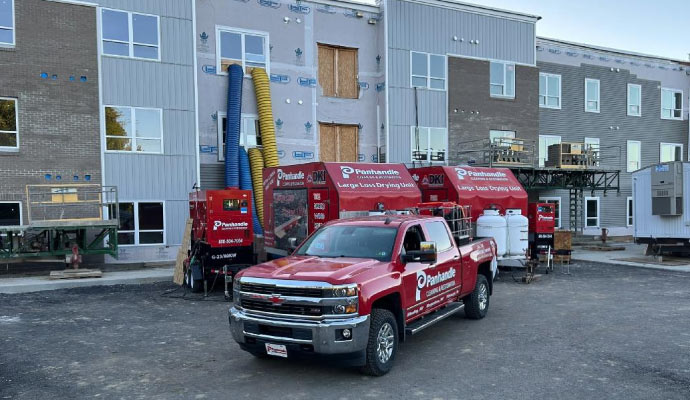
x: 591, y: 212
x: 500, y: 134
x: 544, y: 142
x: 413, y: 239
x: 634, y: 100
x: 549, y: 91
x: 629, y: 212
x: 502, y: 79
x: 338, y: 142
x: 141, y: 223
x: 10, y: 213
x: 556, y: 201
x: 127, y: 34
x: 134, y: 129
x: 428, y: 71
x: 670, y: 152
x: 6, y: 22
x: 592, y: 144
x: 634, y: 155
x: 250, y: 133
x: 9, y: 133
x: 439, y: 234
x: 592, y: 95
x: 338, y: 74
x: 248, y: 49
x: 429, y: 145
x: 671, y: 104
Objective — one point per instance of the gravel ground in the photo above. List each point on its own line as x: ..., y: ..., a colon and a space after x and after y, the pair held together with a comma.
x: 604, y: 332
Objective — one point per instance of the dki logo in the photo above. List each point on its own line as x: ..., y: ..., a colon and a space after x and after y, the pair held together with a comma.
x: 436, y: 179
x: 318, y: 176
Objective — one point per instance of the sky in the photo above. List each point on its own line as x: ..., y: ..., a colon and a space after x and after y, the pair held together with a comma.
x: 655, y: 27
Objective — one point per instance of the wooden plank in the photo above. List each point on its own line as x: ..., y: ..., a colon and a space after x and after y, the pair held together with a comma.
x: 327, y: 143
x: 562, y: 240
x: 76, y: 274
x: 347, y: 83
x: 327, y: 70
x: 178, y: 274
x: 348, y: 143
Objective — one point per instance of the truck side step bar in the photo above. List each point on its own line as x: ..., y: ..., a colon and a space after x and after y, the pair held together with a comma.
x: 433, y: 318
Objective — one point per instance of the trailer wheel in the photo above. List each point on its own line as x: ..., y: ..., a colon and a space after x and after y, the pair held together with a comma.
x: 383, y: 343
x: 477, y: 302
x: 194, y: 285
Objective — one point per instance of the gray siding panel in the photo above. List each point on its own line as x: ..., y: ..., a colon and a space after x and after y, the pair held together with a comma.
x: 431, y: 107
x: 150, y: 177
x: 176, y: 214
x: 165, y: 8
x: 173, y: 33
x: 179, y: 136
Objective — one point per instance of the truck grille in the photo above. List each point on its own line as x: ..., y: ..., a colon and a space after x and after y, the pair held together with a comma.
x: 290, y: 309
x: 283, y: 291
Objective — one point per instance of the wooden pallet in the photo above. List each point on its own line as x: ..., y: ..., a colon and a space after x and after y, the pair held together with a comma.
x: 76, y: 274
x: 178, y: 274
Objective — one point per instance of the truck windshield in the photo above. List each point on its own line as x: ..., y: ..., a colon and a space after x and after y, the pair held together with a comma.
x: 350, y: 241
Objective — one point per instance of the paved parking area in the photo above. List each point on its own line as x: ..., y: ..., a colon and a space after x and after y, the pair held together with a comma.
x: 604, y: 332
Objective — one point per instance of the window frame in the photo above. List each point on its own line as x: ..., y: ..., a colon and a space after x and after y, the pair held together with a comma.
x: 243, y: 133
x: 629, y: 206
x: 548, y: 75
x: 134, y: 131
x: 137, y: 231
x: 598, y: 217
x: 448, y: 236
x: 546, y: 156
x: 639, y: 155
x: 428, y: 76
x: 598, y: 110
x: 639, y: 112
x: 242, y: 33
x: 682, y: 103
x: 16, y: 124
x: 21, y: 210
x: 12, y: 28
x: 549, y: 199
x: 676, y: 145
x: 130, y: 42
x: 505, y: 69
x: 428, y: 154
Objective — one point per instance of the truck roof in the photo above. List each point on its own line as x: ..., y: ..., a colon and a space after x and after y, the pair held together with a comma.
x: 394, y: 220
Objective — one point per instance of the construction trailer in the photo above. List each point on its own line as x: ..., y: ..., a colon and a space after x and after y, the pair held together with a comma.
x: 661, y: 208
x: 298, y: 199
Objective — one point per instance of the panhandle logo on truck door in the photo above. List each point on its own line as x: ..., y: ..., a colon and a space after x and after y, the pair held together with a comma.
x: 428, y: 281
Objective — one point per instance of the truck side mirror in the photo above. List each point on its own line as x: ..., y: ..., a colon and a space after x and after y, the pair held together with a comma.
x: 426, y: 254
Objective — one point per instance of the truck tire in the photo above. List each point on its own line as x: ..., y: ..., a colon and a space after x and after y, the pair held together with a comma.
x: 194, y: 285
x: 477, y: 302
x: 382, y: 345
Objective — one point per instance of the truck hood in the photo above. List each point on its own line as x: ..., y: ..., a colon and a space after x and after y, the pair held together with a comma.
x: 309, y: 268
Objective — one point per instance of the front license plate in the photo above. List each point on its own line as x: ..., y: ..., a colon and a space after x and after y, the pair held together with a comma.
x: 278, y: 350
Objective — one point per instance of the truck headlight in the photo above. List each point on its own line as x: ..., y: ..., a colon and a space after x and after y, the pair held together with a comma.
x: 344, y: 291
x: 236, y: 292
x: 345, y: 308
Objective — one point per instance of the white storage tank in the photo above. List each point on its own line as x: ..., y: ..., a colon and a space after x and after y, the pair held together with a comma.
x: 518, y: 232
x: 492, y: 224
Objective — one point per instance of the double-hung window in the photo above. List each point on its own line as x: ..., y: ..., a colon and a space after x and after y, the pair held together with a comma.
x: 428, y: 71
x: 141, y: 223
x: 502, y: 79
x: 429, y: 145
x: 134, y: 129
x: 249, y: 49
x: 634, y: 100
x: 9, y: 133
x: 549, y: 91
x: 634, y: 155
x: 128, y: 34
x: 670, y: 152
x: 7, y: 23
x: 250, y: 132
x: 671, y: 104
x: 591, y: 212
x: 592, y: 94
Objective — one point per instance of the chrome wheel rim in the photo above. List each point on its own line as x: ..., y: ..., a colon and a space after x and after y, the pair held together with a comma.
x: 384, y: 343
x: 483, y: 297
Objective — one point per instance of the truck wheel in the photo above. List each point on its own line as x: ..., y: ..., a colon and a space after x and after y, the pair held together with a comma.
x: 477, y: 302
x: 194, y: 285
x: 383, y: 343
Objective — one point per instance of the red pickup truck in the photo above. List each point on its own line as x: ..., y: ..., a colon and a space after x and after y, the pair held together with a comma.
x: 357, y: 287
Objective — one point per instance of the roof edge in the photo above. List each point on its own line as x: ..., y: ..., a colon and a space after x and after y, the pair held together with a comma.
x: 479, y: 9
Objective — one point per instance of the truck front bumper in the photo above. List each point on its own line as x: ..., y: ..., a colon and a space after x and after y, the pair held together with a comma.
x: 300, y: 336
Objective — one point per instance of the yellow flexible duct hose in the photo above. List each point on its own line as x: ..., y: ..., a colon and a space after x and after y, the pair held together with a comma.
x: 256, y: 161
x: 263, y: 103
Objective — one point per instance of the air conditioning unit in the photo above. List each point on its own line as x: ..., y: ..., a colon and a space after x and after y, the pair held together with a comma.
x: 667, y: 189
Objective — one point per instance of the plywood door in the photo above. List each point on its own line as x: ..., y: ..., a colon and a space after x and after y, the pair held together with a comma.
x: 347, y: 143
x: 328, y: 143
x: 338, y: 143
x: 347, y: 85
x: 327, y: 71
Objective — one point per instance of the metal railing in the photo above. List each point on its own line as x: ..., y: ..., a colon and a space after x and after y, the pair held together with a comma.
x: 71, y: 204
x: 499, y: 152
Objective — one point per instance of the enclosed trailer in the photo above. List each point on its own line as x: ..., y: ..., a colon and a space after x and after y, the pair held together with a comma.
x: 298, y: 199
x: 661, y: 207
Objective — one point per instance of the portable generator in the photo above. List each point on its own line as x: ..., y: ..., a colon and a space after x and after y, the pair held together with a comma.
x: 222, y: 237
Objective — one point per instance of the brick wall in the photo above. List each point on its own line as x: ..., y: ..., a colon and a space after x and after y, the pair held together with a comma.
x: 58, y: 118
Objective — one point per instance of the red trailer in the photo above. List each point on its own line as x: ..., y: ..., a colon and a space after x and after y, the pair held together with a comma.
x: 478, y: 187
x: 298, y: 199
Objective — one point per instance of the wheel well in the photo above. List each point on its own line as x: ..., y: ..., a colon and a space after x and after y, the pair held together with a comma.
x: 485, y: 269
x: 392, y: 303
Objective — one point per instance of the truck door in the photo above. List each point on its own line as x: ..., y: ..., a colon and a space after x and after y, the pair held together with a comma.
x: 444, y: 279
x: 414, y: 275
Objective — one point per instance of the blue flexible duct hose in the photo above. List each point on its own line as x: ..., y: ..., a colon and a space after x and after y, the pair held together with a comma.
x: 232, y: 135
x: 246, y: 184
